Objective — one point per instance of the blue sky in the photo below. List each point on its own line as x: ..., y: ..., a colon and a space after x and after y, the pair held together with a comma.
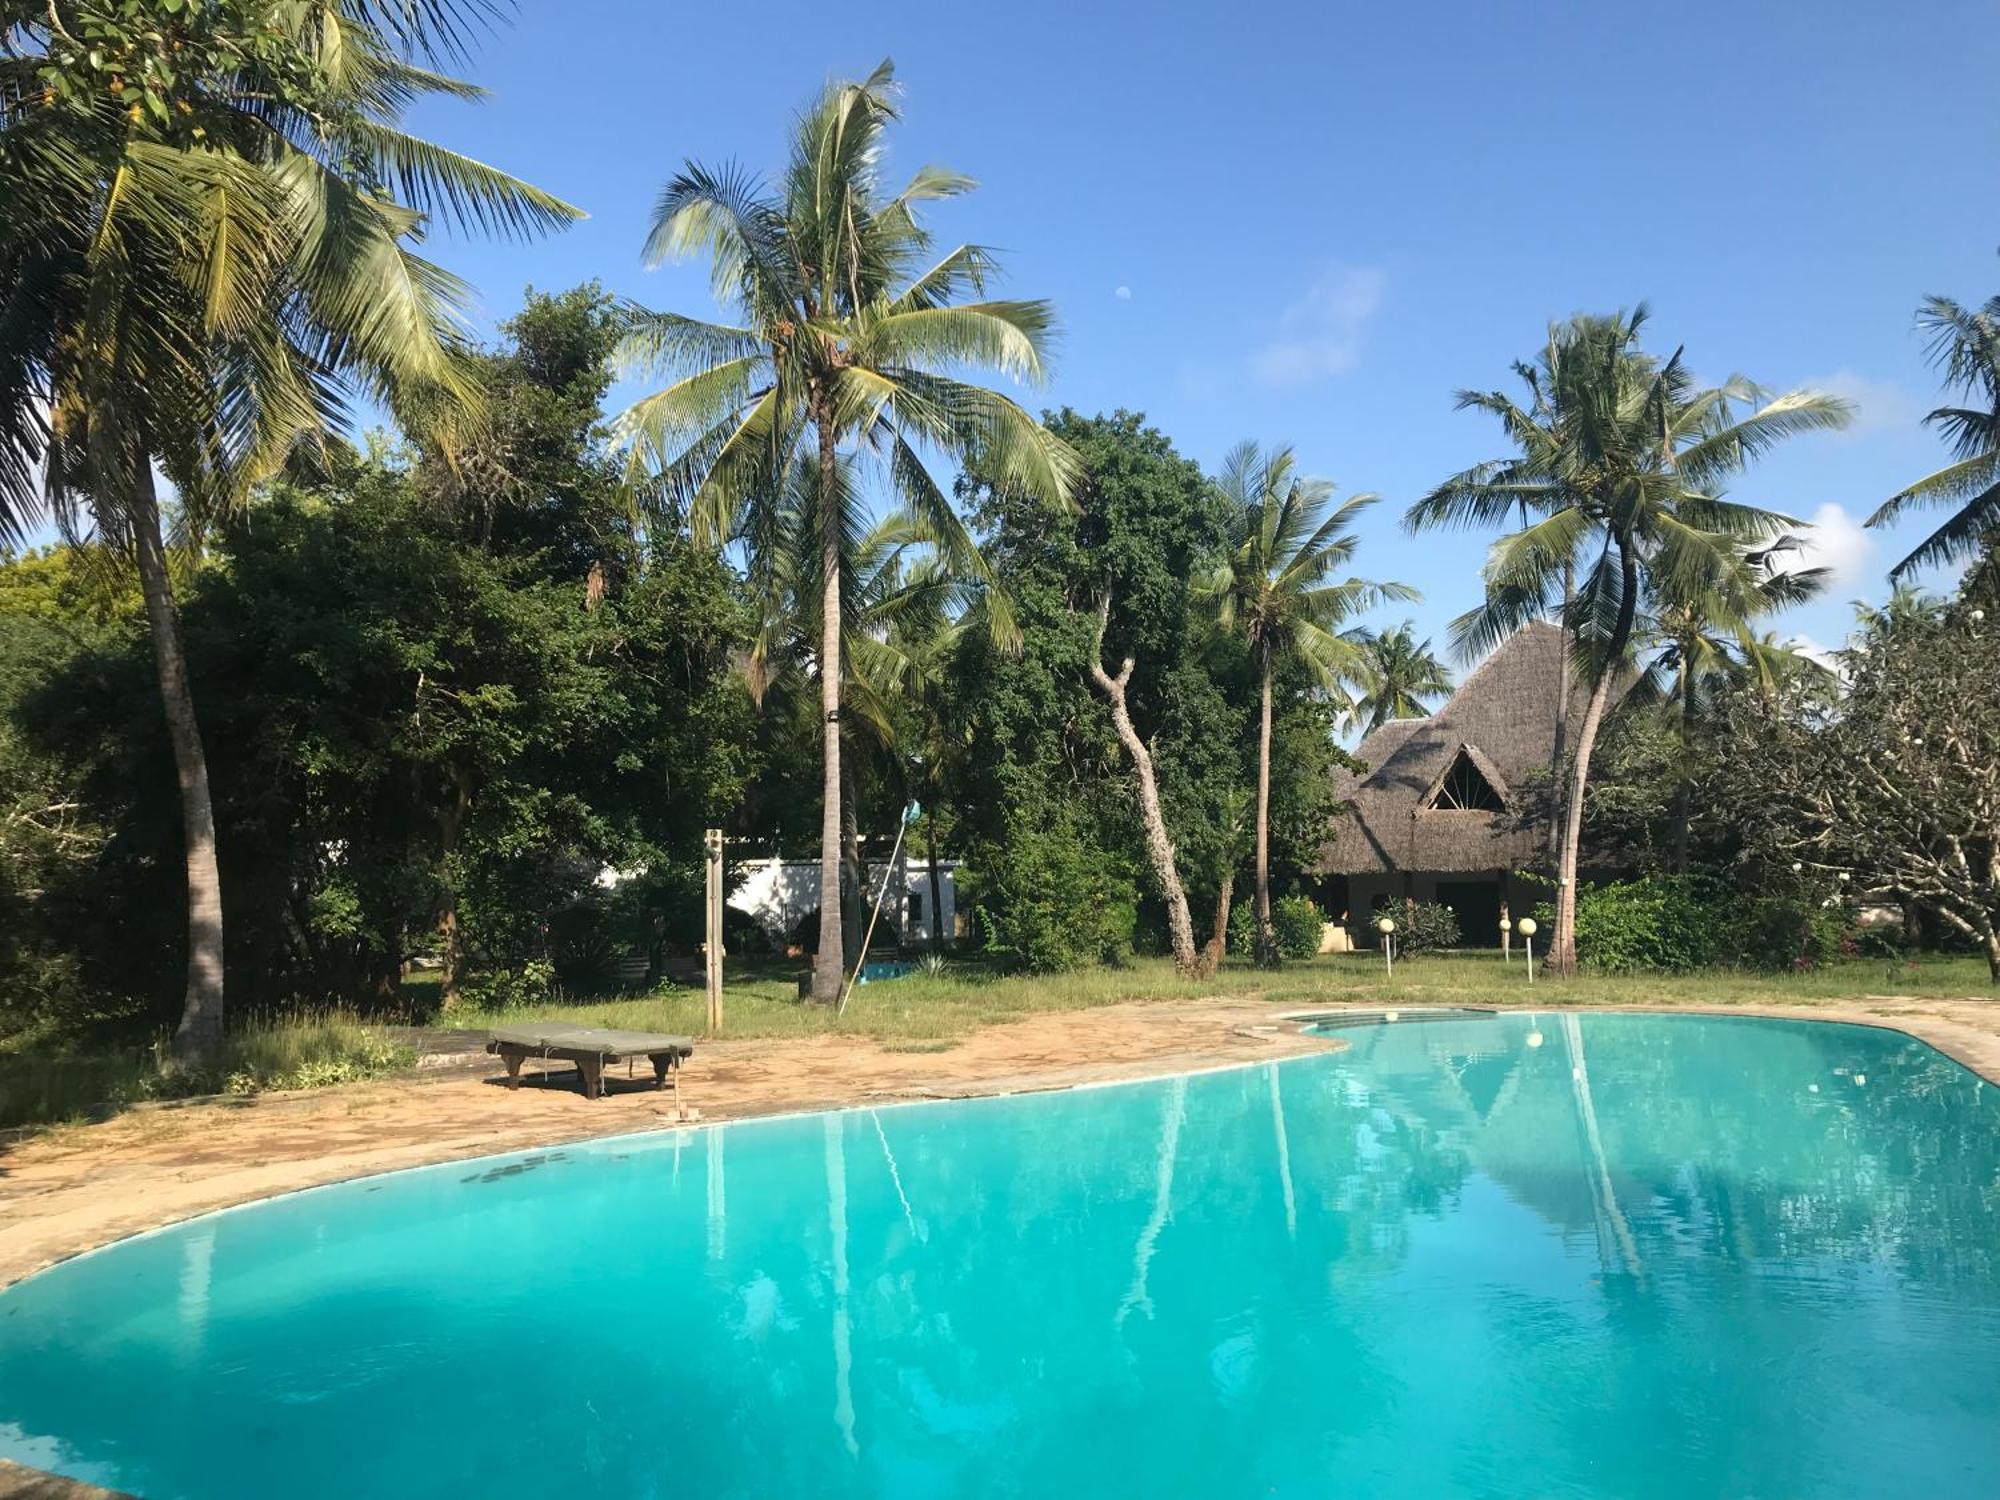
x: 1313, y: 222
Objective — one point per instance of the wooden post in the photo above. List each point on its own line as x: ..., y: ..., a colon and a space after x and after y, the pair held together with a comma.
x: 712, y: 946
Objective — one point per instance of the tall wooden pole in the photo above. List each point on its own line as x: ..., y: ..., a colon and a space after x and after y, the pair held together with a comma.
x: 712, y: 946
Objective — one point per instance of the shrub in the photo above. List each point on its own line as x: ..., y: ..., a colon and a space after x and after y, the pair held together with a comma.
x: 1046, y: 899
x: 1681, y: 922
x: 1662, y: 922
x: 512, y: 989
x: 1427, y: 927
x: 1295, y: 926
x: 1790, y: 930
x: 1296, y: 922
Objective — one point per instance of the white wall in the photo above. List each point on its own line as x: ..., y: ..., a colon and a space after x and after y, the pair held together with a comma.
x: 780, y: 893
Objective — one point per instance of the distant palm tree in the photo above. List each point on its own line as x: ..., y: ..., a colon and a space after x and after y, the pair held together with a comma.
x: 1398, y: 677
x: 1278, y: 587
x: 1907, y: 605
x: 202, y: 252
x: 1620, y: 458
x: 1702, y: 630
x: 842, y: 337
x: 1965, y: 345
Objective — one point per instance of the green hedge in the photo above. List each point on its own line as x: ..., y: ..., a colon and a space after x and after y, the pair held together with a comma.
x: 1680, y: 922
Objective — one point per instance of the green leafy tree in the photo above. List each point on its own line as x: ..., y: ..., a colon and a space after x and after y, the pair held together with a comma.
x: 1397, y: 677
x: 1965, y: 348
x: 1895, y: 783
x: 1702, y: 627
x: 1038, y: 750
x: 207, y: 221
x: 1278, y: 585
x: 1620, y: 463
x: 846, y: 328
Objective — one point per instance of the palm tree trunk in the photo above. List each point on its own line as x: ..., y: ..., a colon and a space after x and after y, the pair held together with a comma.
x: 1562, y: 701
x: 451, y: 976
x: 1684, y: 792
x: 829, y: 966
x: 1267, y: 944
x: 1562, y: 953
x: 938, y: 942
x: 199, y: 1035
x: 1159, y: 847
x: 854, y: 872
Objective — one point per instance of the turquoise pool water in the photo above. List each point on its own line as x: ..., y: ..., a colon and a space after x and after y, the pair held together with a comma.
x: 1618, y: 1256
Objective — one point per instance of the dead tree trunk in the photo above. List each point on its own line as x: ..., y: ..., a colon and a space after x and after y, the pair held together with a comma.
x: 1159, y: 847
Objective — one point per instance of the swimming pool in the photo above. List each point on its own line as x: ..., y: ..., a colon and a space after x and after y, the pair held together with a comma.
x: 1613, y: 1255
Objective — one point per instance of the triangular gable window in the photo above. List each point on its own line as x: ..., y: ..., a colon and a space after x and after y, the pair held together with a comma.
x: 1465, y: 789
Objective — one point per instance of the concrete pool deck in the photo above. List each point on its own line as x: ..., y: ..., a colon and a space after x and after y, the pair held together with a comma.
x: 70, y: 1190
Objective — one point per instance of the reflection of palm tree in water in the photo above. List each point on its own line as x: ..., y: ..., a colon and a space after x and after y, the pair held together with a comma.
x: 1284, y: 1155
x: 843, y: 1337
x: 1137, y: 1298
x: 1604, y: 1198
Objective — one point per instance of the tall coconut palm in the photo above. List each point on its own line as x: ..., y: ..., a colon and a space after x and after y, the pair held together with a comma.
x: 845, y: 340
x: 1965, y: 346
x: 1398, y: 678
x: 207, y: 221
x: 1278, y: 586
x: 1620, y: 462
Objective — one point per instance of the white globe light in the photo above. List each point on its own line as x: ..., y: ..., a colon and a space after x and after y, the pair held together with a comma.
x: 1385, y: 926
x: 1505, y: 925
x: 1527, y: 927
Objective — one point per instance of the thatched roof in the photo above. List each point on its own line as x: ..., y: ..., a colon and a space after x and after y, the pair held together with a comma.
x: 1502, y: 722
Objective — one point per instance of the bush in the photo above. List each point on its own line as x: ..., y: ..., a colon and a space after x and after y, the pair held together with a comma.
x: 1662, y: 922
x: 1427, y: 927
x: 1793, y: 930
x: 1296, y: 922
x: 1681, y: 922
x: 1046, y: 899
x: 512, y: 989
x: 1295, y: 926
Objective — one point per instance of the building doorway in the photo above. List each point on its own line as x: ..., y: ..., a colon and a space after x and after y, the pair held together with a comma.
x: 1476, y: 904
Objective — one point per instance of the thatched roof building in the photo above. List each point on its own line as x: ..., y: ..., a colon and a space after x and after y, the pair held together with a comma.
x: 1453, y: 803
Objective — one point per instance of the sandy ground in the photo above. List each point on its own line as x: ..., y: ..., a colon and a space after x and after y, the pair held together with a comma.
x: 69, y: 1190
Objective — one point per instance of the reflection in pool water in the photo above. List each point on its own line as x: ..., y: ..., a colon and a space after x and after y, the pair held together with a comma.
x: 1556, y: 1256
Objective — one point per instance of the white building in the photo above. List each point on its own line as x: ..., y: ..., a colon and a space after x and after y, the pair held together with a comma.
x: 781, y: 894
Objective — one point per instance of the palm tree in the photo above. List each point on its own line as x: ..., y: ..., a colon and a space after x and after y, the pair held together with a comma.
x: 206, y: 241
x: 1277, y: 586
x: 1398, y: 677
x: 843, y: 336
x: 1965, y: 345
x: 1619, y: 468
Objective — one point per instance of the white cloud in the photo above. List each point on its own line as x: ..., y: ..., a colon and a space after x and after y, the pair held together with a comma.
x: 1320, y: 335
x: 1806, y: 646
x: 1879, y: 405
x: 1123, y: 294
x: 1836, y: 542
